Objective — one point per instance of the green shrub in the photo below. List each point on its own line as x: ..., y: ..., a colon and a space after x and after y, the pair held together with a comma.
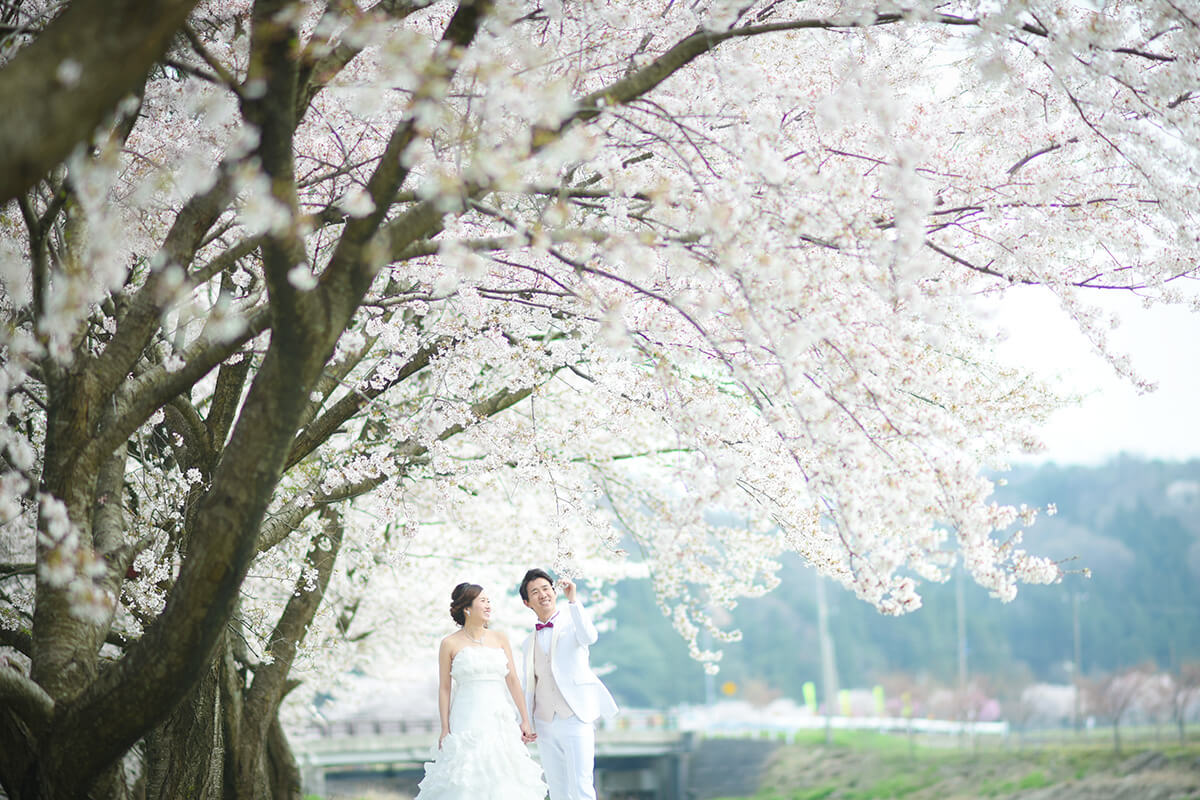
x: 1034, y: 780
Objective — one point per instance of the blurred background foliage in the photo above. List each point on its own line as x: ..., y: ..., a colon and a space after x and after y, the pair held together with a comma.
x: 1133, y: 523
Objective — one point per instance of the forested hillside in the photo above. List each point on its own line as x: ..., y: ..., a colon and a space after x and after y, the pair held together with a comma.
x: 1134, y: 524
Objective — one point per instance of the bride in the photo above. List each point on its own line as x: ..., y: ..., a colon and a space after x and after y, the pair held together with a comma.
x: 481, y: 755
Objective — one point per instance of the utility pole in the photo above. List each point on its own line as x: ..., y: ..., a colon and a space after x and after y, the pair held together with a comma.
x: 1077, y: 673
x: 961, y: 608
x: 710, y: 688
x: 829, y: 679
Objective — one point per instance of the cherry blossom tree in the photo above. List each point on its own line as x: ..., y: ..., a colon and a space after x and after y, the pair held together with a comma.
x: 298, y: 294
x: 1116, y: 694
x: 1184, y: 691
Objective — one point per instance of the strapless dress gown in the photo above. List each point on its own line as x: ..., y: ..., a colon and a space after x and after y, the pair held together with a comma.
x: 483, y: 757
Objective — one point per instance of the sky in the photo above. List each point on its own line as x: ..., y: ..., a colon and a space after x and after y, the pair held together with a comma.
x: 1164, y: 344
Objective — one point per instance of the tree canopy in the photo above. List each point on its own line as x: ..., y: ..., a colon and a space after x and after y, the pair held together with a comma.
x: 544, y: 282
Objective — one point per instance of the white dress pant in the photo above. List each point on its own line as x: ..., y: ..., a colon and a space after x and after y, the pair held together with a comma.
x: 567, y: 749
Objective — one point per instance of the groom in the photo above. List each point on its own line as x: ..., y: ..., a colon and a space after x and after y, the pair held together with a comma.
x: 562, y: 693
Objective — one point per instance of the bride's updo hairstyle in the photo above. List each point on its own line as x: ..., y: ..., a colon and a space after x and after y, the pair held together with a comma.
x: 460, y: 600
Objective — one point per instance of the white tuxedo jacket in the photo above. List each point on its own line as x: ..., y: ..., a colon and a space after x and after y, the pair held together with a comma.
x: 573, y: 633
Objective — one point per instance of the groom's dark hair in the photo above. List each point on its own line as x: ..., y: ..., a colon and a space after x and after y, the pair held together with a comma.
x: 533, y: 575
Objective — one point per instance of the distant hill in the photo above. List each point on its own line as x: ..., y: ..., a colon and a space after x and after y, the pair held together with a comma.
x: 1135, y: 524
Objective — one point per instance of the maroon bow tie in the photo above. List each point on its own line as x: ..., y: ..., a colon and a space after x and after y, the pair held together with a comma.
x: 540, y: 625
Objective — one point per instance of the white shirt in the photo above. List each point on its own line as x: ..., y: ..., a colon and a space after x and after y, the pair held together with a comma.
x: 543, y: 636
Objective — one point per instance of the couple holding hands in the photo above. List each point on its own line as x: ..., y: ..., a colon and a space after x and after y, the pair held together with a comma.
x: 481, y: 753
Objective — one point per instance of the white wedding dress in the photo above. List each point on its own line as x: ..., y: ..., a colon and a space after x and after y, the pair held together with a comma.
x: 483, y: 757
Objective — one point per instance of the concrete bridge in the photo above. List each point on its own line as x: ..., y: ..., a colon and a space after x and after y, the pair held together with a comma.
x: 641, y: 756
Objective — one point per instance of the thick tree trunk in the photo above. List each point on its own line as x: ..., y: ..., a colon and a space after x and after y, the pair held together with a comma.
x: 282, y: 772
x: 185, y: 755
x: 195, y: 753
x: 63, y: 655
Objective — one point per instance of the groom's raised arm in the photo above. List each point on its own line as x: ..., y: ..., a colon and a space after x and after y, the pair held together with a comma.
x: 585, y: 632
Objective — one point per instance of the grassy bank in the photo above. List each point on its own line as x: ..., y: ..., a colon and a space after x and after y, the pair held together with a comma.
x: 864, y: 766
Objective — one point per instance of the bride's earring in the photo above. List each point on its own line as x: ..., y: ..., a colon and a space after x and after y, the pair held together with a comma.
x: 468, y: 611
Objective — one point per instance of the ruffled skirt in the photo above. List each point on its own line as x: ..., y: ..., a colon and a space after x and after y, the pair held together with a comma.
x: 483, y: 757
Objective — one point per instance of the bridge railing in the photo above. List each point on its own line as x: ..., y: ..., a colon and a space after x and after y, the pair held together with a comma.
x: 636, y: 720
x: 631, y: 723
x: 790, y: 729
x: 639, y: 720
x: 335, y: 728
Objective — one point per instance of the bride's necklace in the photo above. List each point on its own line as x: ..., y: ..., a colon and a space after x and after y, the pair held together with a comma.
x: 472, y: 638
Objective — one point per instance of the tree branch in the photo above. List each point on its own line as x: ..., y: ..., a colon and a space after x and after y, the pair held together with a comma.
x: 273, y: 66
x: 409, y: 452
x: 184, y: 419
x: 13, y: 570
x: 270, y: 679
x: 231, y: 378
x: 144, y: 312
x: 682, y: 53
x: 21, y: 641
x: 26, y: 699
x: 321, y: 429
x: 316, y: 72
x: 72, y: 76
x: 391, y: 172
x: 142, y: 396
